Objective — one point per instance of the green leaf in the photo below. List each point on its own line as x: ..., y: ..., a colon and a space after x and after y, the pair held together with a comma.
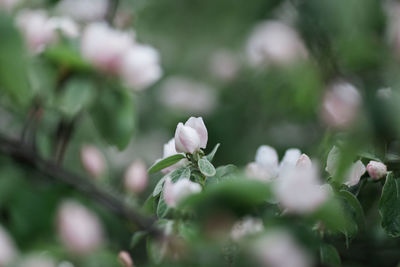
x: 159, y: 186
x: 68, y: 56
x: 238, y: 195
x: 166, y: 162
x: 162, y: 208
x: 77, y: 94
x: 389, y: 206
x: 353, y: 207
x: 137, y: 237
x: 211, y: 155
x: 114, y: 116
x: 332, y: 214
x: 329, y: 255
x: 222, y: 173
x: 206, y: 167
x: 13, y: 65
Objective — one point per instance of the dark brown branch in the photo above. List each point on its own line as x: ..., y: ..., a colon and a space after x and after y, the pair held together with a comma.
x: 23, y: 153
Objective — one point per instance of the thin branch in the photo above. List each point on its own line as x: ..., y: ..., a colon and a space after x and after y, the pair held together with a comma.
x: 112, y: 10
x: 23, y: 153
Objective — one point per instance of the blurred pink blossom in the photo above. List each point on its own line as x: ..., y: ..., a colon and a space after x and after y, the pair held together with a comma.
x: 175, y: 192
x: 136, y: 177
x: 273, y: 42
x: 341, y: 104
x: 79, y: 229
x: 93, y: 160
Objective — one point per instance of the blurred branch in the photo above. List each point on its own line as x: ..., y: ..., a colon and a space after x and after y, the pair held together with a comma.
x: 112, y: 9
x: 23, y: 153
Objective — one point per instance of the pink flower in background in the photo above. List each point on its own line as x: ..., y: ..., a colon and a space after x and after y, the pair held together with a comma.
x: 246, y: 227
x: 266, y: 165
x: 175, y: 192
x: 178, y: 93
x: 376, y: 169
x: 105, y: 47
x: 273, y: 42
x: 191, y: 136
x: 224, y: 65
x: 37, y: 30
x: 8, y: 251
x: 83, y: 10
x: 79, y: 229
x: 136, y: 177
x: 93, y: 160
x: 341, y: 104
x: 141, y: 67
x: 299, y: 190
x: 8, y: 4
x: 278, y: 249
x: 65, y: 25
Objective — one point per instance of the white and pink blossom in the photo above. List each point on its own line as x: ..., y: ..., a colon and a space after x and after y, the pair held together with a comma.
x: 191, y: 136
x: 274, y: 43
x: 175, y: 192
x: 278, y: 248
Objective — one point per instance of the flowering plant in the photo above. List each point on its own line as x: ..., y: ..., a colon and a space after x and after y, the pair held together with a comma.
x: 209, y: 133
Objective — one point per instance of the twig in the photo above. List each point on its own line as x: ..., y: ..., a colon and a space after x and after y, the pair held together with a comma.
x: 23, y: 153
x: 112, y: 9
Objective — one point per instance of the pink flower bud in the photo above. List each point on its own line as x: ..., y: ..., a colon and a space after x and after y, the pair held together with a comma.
x: 79, y: 229
x: 140, y: 67
x: 136, y: 177
x: 105, y: 47
x: 37, y: 31
x: 273, y: 42
x: 125, y: 259
x: 175, y: 192
x: 192, y: 136
x: 376, y: 169
x: 341, y: 104
x: 8, y: 251
x: 200, y: 127
x: 93, y: 160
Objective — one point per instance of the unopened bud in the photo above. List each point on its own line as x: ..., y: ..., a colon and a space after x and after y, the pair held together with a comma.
x: 93, y: 160
x: 125, y: 259
x: 79, y: 229
x: 136, y: 177
x: 376, y: 169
